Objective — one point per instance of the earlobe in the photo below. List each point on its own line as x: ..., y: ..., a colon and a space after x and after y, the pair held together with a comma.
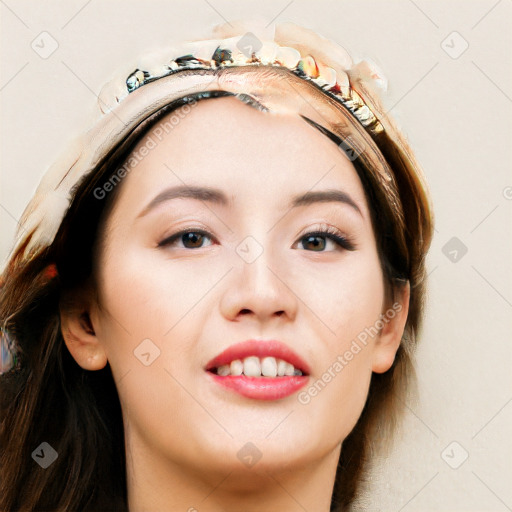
x: 81, y: 339
x: 394, y: 320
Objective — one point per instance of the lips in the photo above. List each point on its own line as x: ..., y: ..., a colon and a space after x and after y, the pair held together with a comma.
x: 262, y: 387
x: 259, y: 348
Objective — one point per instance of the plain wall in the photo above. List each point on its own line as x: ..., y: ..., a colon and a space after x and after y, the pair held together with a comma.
x: 456, y: 112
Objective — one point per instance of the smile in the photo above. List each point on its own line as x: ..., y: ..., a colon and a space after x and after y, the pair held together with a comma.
x: 262, y: 370
x: 254, y: 366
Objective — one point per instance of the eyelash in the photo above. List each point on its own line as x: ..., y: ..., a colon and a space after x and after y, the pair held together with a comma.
x: 325, y: 231
x: 333, y: 234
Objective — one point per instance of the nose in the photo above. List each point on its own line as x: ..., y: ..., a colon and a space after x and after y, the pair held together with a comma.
x: 259, y: 289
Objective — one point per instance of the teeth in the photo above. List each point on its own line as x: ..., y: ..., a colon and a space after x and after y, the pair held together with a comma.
x: 281, y: 367
x: 223, y: 370
x: 252, y: 366
x: 269, y: 367
x: 289, y: 369
x: 237, y: 367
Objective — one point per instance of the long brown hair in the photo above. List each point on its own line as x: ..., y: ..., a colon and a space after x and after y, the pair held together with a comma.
x: 48, y: 397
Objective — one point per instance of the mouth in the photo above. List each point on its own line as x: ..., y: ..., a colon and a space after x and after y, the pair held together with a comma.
x: 264, y: 370
x: 254, y: 366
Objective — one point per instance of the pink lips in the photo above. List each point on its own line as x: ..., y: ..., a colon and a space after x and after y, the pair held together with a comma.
x: 260, y: 388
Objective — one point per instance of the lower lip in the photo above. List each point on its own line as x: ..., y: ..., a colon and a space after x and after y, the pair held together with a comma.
x: 261, y: 388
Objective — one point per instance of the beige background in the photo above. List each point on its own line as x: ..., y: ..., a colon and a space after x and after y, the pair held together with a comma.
x: 457, y: 114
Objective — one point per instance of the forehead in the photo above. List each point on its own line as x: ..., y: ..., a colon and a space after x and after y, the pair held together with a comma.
x: 223, y: 142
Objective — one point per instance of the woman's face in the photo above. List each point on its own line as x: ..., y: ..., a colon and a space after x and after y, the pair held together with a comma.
x: 243, y: 268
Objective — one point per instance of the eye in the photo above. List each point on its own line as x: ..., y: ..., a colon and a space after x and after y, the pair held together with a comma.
x: 318, y: 240
x: 190, y: 238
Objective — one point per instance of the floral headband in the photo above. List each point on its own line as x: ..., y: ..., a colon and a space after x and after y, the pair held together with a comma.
x: 299, y: 58
x: 231, y: 52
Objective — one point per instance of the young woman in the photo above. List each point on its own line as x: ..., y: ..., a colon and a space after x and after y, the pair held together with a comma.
x: 214, y: 297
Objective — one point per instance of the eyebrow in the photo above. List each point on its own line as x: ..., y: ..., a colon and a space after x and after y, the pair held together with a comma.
x: 324, y: 196
x: 216, y: 196
x: 210, y: 195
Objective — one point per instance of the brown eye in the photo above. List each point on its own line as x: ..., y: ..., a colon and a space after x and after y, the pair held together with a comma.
x: 315, y: 242
x: 189, y: 238
x: 192, y: 240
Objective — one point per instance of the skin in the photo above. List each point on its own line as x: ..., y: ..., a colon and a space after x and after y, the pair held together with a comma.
x: 183, y: 432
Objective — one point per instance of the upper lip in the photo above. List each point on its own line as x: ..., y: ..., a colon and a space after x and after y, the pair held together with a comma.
x: 259, y: 348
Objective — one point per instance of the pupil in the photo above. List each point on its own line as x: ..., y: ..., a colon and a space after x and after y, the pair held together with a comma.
x: 193, y: 238
x: 309, y: 238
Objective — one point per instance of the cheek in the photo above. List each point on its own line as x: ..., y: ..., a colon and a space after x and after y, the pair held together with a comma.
x: 346, y: 295
x: 148, y: 296
x: 350, y: 303
x: 149, y: 332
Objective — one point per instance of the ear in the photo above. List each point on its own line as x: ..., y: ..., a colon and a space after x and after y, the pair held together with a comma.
x: 76, y: 310
x: 394, y: 319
